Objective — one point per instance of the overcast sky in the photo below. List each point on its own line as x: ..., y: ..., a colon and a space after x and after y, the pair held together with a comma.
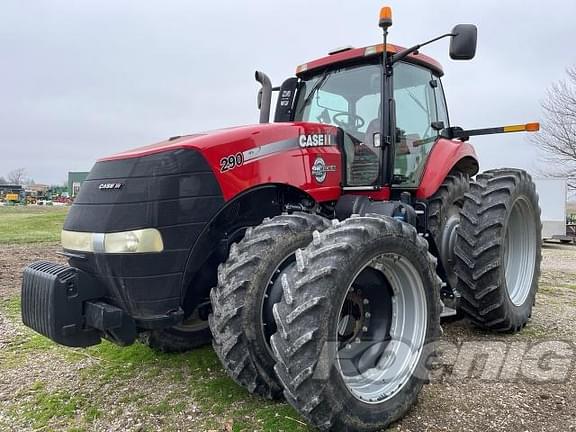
x: 84, y: 79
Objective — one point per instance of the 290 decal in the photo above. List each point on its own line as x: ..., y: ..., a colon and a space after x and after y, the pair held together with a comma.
x: 230, y: 162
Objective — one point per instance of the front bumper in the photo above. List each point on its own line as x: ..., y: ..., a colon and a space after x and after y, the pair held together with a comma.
x: 69, y: 306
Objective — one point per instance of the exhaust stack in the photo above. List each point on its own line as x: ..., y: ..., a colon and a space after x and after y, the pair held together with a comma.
x: 264, y: 96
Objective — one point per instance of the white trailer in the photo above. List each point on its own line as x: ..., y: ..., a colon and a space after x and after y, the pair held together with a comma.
x: 552, y: 194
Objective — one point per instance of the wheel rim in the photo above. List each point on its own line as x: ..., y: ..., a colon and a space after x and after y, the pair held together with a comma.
x: 382, y: 328
x: 520, y: 244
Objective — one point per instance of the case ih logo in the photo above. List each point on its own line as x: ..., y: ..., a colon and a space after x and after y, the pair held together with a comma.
x: 315, y: 140
x: 110, y: 186
x: 320, y: 169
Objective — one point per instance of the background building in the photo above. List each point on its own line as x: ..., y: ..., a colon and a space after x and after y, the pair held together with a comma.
x: 75, y: 180
x: 11, y: 193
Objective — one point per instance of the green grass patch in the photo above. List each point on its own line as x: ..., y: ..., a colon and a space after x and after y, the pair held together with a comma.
x: 44, y: 407
x: 166, y: 407
x: 31, y: 224
x: 10, y: 307
x: 29, y: 342
x: 206, y: 384
x: 280, y: 417
x: 125, y: 362
x: 535, y: 331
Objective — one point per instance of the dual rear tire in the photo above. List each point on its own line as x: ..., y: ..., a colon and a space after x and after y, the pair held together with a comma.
x: 487, y: 234
x: 498, y: 250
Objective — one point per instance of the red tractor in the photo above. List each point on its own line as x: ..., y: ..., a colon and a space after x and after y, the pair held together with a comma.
x: 318, y: 252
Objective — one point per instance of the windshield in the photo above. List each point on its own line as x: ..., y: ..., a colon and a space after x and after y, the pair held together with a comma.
x: 350, y: 99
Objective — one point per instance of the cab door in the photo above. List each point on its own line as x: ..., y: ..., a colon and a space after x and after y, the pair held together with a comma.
x: 416, y: 121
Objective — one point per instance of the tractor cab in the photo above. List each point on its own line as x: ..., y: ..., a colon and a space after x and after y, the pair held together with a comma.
x: 388, y: 102
x: 350, y: 97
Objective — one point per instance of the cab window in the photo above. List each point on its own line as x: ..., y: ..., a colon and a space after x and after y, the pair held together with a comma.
x: 324, y: 106
x: 415, y: 112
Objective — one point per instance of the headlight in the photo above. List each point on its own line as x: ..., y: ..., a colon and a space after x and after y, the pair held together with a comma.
x: 137, y: 241
x: 145, y: 240
x: 77, y: 241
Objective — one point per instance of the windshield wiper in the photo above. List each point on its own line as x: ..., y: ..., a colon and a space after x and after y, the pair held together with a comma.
x: 314, y: 90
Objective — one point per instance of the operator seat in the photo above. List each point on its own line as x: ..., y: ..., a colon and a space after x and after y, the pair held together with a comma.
x: 403, y: 146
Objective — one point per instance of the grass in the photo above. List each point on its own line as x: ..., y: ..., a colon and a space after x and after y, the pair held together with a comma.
x: 160, y: 386
x: 535, y: 331
x: 31, y: 224
x: 43, y: 406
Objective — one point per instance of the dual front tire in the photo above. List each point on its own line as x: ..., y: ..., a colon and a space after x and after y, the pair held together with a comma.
x: 354, y: 308
x: 248, y: 286
x: 353, y: 325
x: 356, y: 324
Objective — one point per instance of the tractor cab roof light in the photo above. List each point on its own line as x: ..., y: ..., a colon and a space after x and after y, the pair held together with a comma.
x: 371, y: 50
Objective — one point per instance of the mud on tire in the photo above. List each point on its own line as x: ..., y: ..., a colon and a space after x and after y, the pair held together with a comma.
x: 498, y: 250
x: 240, y: 313
x: 336, y: 322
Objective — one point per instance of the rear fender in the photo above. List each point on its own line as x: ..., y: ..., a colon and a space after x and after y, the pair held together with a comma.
x: 445, y: 156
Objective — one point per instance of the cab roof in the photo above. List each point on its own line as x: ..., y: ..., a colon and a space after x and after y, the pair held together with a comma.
x: 354, y: 54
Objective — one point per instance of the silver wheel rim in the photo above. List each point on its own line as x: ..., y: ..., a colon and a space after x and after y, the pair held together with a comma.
x: 389, y: 362
x: 520, y: 244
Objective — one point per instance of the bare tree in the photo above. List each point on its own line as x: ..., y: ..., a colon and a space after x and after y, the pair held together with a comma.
x: 558, y: 135
x: 16, y: 176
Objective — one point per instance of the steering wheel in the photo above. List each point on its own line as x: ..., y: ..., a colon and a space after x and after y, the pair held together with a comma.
x: 358, y: 121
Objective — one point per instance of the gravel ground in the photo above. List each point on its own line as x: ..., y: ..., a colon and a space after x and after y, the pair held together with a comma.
x: 522, y: 382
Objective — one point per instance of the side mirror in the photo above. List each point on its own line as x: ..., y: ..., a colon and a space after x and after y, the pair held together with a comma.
x: 463, y: 42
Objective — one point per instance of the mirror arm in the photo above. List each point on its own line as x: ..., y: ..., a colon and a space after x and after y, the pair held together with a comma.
x: 404, y: 53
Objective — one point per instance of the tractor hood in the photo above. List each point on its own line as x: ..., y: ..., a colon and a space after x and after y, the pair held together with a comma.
x: 178, y: 187
x: 241, y: 138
